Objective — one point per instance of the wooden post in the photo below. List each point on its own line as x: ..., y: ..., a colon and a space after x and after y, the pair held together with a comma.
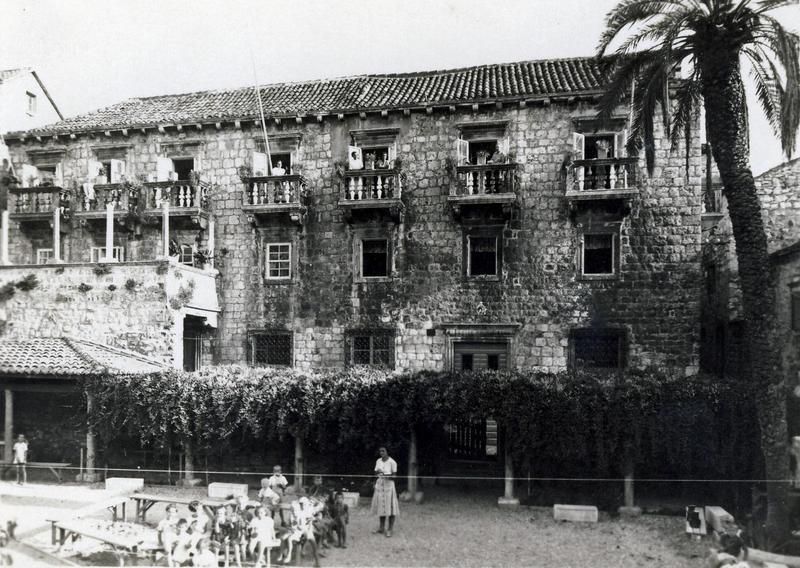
x: 57, y: 233
x: 508, y: 499
x: 299, y: 463
x: 165, y: 226
x: 412, y: 464
x: 8, y: 435
x: 4, y: 238
x: 109, y: 232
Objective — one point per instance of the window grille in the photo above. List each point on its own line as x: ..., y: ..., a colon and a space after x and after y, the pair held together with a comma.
x: 279, y: 261
x: 186, y: 255
x: 43, y: 255
x: 598, y: 349
x: 271, y: 348
x: 373, y: 348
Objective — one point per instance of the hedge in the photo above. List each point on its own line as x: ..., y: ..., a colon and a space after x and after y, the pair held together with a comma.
x: 561, y: 424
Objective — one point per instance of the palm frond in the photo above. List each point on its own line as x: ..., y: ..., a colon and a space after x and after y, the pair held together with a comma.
x: 769, y: 90
x: 623, y: 71
x: 630, y: 12
x: 767, y: 5
x: 687, y: 107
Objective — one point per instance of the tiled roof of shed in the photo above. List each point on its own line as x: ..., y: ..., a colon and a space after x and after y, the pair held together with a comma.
x: 526, y: 79
x: 69, y: 357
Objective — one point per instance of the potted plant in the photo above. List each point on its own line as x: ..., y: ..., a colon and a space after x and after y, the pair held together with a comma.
x: 602, y: 149
x: 369, y: 161
x: 482, y: 157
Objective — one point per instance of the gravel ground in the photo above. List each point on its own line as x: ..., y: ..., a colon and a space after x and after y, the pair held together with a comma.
x: 453, y: 528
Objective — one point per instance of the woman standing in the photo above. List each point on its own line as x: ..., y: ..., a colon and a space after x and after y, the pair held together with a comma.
x: 384, y: 500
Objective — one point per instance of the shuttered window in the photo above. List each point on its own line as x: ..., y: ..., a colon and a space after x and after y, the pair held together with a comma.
x: 479, y: 356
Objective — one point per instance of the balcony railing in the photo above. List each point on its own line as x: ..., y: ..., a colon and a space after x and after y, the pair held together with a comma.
x: 380, y: 185
x: 180, y: 194
x: 486, y: 179
x: 606, y: 175
x: 37, y: 201
x: 274, y: 190
x: 104, y: 194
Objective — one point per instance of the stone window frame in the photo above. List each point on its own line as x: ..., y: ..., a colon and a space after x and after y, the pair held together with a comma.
x: 614, y: 229
x: 97, y: 254
x: 267, y: 260
x: 277, y: 235
x: 623, y: 345
x: 583, y: 126
x: 283, y: 143
x: 269, y: 332
x: 373, y: 234
x: 46, y: 257
x: 32, y: 107
x: 496, y: 131
x: 370, y: 332
x: 480, y: 333
x: 370, y: 138
x: 482, y: 231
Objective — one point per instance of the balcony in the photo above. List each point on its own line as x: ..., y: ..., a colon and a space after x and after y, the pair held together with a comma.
x: 372, y: 191
x: 188, y: 201
x: 93, y: 209
x: 37, y: 204
x: 602, y: 179
x: 265, y: 196
x: 483, y: 189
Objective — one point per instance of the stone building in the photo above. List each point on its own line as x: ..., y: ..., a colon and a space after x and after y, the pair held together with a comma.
x: 472, y: 218
x: 25, y: 101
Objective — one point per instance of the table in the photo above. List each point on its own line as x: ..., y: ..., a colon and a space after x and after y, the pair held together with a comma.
x: 54, y: 467
x: 145, y: 501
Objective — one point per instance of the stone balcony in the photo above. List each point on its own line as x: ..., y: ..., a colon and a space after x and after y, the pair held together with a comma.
x: 483, y: 189
x: 266, y: 196
x: 377, y: 191
x: 93, y: 209
x: 602, y: 180
x: 36, y: 205
x: 188, y: 201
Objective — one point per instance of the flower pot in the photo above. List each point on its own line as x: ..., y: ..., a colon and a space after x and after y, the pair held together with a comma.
x: 602, y: 154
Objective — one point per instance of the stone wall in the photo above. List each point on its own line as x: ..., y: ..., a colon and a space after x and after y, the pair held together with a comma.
x: 656, y: 297
x: 787, y: 285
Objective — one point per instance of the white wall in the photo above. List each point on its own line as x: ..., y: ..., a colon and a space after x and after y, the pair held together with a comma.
x: 14, y: 104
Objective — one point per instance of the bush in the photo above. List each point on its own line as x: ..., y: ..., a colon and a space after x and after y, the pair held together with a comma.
x: 28, y: 283
x: 102, y: 269
x: 84, y: 287
x: 130, y: 284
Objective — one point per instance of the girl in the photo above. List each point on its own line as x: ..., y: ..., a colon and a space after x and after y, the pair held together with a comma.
x: 384, y: 500
x: 262, y: 534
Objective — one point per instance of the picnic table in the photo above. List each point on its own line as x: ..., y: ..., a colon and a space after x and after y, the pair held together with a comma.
x: 116, y: 505
x: 54, y: 467
x: 120, y: 543
x: 145, y: 501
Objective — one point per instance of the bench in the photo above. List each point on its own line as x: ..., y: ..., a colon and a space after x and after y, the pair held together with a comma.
x: 145, y: 501
x: 54, y: 467
x: 116, y: 505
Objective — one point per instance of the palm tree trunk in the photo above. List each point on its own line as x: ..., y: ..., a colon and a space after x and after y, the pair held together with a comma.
x: 727, y: 131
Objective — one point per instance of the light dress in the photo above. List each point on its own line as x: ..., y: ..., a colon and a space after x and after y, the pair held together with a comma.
x: 384, y: 500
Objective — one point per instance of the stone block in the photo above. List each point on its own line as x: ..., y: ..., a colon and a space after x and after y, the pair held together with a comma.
x: 507, y: 502
x: 351, y: 498
x: 718, y: 518
x: 218, y: 490
x: 575, y: 513
x: 119, y: 484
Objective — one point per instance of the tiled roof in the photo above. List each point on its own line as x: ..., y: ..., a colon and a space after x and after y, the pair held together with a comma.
x: 526, y: 79
x: 6, y: 74
x: 69, y: 357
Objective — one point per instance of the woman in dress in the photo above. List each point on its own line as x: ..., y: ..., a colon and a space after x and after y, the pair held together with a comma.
x: 384, y: 500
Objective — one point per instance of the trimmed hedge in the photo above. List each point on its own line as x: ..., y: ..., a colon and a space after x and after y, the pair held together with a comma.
x: 559, y: 424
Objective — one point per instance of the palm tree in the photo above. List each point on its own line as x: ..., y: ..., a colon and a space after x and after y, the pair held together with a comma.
x: 716, y: 37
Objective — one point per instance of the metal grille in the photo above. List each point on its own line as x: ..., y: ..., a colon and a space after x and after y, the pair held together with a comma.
x: 597, y: 349
x: 271, y: 349
x: 472, y: 440
x: 375, y: 349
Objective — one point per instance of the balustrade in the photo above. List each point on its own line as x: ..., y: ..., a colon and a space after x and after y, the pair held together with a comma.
x: 180, y: 194
x: 274, y: 190
x: 486, y: 179
x: 372, y: 184
x: 602, y: 175
x: 35, y: 200
x: 103, y: 195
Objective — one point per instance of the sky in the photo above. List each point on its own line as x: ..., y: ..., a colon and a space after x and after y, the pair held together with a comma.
x: 94, y: 53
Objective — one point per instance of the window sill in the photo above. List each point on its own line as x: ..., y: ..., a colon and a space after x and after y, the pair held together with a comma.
x: 482, y: 278
x: 596, y: 277
x: 371, y: 279
x: 277, y: 281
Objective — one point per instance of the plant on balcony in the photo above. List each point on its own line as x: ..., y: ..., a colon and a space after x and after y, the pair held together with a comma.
x: 245, y: 173
x: 28, y: 283
x: 162, y: 267
x: 137, y: 203
x: 183, y: 297
x: 194, y: 177
x: 482, y: 157
x: 130, y: 284
x: 603, y: 148
x: 205, y: 256
x: 102, y: 270
x: 83, y: 287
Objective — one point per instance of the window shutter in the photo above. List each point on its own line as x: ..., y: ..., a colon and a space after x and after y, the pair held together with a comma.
x: 30, y: 175
x: 504, y: 144
x: 621, y: 143
x: 59, y: 176
x: 462, y: 152
x: 392, y: 154
x: 198, y: 164
x: 117, y: 171
x: 578, y: 145
x: 259, y: 162
x: 163, y: 169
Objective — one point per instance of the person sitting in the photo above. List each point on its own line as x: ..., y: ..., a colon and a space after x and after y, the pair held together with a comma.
x: 278, y: 483
x: 166, y: 527
x: 301, y: 531
x: 204, y: 556
x: 262, y: 534
x: 179, y: 551
x: 268, y: 497
x: 340, y: 512
x: 202, y: 515
x: 319, y: 491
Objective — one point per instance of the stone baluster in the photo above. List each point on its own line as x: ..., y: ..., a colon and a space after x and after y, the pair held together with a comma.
x: 287, y: 192
x: 351, y: 191
x: 380, y: 186
x: 470, y: 183
x: 360, y: 187
x: 253, y: 193
x: 591, y: 178
x: 612, y: 176
x: 157, y: 196
x: 624, y: 177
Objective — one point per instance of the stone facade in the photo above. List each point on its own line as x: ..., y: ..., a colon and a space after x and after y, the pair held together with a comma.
x: 538, y: 298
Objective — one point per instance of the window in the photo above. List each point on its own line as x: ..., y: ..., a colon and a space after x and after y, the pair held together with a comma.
x: 597, y: 254
x: 186, y: 255
x: 43, y: 255
x: 372, y: 347
x: 795, y: 299
x: 597, y: 348
x: 599, y: 145
x: 279, y: 261
x: 375, y: 258
x: 482, y: 256
x: 98, y: 254
x: 271, y: 348
x: 31, y: 103
x: 481, y: 141
x: 193, y: 330
x: 480, y: 356
x: 182, y: 167
x: 114, y: 170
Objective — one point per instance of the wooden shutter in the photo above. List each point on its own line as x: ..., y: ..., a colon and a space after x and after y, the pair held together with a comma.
x: 504, y: 144
x: 578, y: 146
x: 621, y: 143
x: 259, y: 163
x: 59, y: 176
x: 117, y: 171
x: 462, y: 152
x: 392, y: 154
x: 30, y: 175
x: 197, y: 167
x: 163, y: 168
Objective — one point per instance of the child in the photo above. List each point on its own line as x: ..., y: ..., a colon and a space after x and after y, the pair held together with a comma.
x: 20, y: 450
x: 341, y: 518
x: 278, y: 483
x: 166, y: 528
x: 302, y: 530
x: 262, y: 537
x: 181, y: 547
x: 204, y: 557
x: 268, y: 498
x: 200, y: 514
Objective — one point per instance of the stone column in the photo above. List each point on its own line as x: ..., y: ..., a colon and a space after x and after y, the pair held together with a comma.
x: 508, y: 499
x: 8, y: 435
x: 299, y: 463
x: 165, y: 226
x: 210, y: 246
x: 57, y: 234
x: 629, y: 508
x: 4, y: 238
x: 109, y: 233
x: 89, y: 474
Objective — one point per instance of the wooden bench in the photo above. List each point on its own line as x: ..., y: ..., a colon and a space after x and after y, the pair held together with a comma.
x: 54, y: 467
x: 145, y: 501
x: 116, y: 505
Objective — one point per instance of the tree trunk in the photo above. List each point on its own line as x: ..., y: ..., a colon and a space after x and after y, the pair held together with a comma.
x: 727, y: 131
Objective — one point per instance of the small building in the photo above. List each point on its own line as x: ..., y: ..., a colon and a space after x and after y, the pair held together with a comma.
x: 25, y: 102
